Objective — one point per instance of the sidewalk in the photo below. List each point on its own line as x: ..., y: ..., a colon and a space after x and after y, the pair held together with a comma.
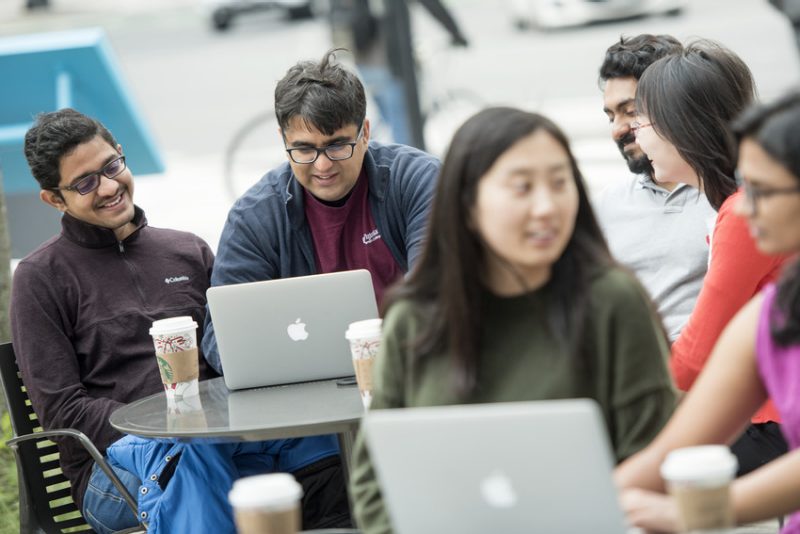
x: 62, y: 14
x: 201, y: 210
x: 163, y: 43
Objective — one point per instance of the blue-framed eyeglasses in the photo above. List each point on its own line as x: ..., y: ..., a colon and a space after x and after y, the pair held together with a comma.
x: 90, y: 182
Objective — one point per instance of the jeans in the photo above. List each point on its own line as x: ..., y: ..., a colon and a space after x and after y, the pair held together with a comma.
x: 390, y: 96
x: 103, y: 507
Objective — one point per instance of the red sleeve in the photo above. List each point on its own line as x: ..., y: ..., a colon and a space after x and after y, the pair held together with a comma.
x: 737, y: 271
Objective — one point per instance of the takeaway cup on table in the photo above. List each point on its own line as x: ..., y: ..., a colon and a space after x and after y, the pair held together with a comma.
x: 175, y: 341
x: 266, y: 504
x: 699, y: 479
x: 365, y: 340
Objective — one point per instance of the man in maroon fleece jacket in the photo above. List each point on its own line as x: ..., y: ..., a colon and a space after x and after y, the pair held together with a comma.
x: 83, y: 302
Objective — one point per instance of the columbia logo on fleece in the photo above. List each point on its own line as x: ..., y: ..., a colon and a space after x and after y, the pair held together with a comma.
x: 174, y: 279
x: 371, y: 236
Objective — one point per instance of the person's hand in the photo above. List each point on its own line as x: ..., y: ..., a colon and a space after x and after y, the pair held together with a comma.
x: 651, y: 511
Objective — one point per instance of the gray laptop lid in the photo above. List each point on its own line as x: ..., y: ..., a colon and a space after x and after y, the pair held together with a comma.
x: 290, y: 329
x: 529, y: 467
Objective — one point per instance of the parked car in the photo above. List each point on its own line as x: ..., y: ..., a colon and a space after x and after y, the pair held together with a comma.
x: 549, y: 14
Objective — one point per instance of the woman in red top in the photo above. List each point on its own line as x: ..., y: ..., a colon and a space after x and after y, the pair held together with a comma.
x: 685, y: 104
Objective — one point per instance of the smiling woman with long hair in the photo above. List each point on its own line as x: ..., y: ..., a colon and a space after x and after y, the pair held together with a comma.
x: 685, y: 104
x: 516, y: 297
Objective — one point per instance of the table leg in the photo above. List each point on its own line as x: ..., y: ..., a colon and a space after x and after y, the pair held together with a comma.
x: 346, y: 440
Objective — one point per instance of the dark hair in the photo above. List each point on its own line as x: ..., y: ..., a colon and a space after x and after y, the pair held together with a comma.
x: 324, y: 94
x: 448, y: 281
x: 55, y: 135
x: 690, y: 99
x: 632, y: 55
x: 776, y: 129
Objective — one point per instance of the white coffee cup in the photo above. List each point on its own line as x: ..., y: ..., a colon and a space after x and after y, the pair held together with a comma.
x: 175, y: 342
x: 699, y: 479
x: 267, y: 504
x: 365, y: 340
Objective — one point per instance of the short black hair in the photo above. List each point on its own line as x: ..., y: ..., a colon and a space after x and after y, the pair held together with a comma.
x: 55, y: 135
x: 324, y: 94
x: 632, y: 55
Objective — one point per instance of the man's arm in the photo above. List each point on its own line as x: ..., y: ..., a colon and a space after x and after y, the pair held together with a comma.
x: 49, y: 365
x: 417, y: 200
x: 241, y: 257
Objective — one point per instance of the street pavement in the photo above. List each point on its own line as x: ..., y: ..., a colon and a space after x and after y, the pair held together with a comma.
x: 197, y: 87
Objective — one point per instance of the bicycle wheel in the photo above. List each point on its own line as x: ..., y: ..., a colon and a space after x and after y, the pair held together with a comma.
x: 255, y: 148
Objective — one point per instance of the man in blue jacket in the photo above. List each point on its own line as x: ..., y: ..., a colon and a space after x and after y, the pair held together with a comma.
x: 338, y: 203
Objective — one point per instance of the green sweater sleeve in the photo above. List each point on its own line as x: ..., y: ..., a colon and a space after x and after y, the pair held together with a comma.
x: 388, y: 385
x: 637, y: 390
x: 370, y: 514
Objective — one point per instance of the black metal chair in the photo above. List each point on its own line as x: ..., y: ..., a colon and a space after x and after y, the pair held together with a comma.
x: 45, y: 504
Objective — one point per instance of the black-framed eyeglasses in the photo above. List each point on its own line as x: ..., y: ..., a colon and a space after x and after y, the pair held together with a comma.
x: 90, y: 182
x: 636, y: 126
x: 753, y: 194
x: 306, y: 155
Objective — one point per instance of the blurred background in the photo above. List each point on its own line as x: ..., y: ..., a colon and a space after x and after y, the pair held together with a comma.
x: 203, y: 79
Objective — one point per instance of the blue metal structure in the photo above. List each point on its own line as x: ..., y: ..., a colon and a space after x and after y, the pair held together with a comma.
x: 50, y: 71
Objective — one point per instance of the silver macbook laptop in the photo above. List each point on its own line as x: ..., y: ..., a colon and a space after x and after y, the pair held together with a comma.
x: 527, y: 467
x: 290, y: 329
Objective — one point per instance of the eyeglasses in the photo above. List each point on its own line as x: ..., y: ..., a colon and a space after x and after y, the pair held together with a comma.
x: 306, y: 155
x: 90, y: 182
x: 636, y: 126
x: 753, y: 194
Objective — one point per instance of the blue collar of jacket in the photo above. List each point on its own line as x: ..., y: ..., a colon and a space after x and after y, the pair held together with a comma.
x: 93, y: 236
x: 378, y: 176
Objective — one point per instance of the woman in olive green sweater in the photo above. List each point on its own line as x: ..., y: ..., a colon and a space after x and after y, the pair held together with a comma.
x: 516, y: 297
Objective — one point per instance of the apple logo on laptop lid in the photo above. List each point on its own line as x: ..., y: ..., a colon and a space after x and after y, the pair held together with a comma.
x: 297, y: 331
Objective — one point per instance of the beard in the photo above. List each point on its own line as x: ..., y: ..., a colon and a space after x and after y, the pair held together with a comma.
x: 638, y: 164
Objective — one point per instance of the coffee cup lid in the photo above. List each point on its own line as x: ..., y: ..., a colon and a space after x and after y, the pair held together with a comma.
x: 707, y: 463
x: 173, y: 325
x: 367, y: 327
x: 275, y: 490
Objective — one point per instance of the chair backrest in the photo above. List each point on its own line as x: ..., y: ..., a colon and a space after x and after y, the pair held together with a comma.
x: 44, y: 492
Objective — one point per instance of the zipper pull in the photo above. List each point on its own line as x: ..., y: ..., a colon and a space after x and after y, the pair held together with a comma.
x: 121, y: 247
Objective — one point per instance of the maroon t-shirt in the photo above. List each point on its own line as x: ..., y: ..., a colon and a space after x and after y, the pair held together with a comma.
x: 345, y: 238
